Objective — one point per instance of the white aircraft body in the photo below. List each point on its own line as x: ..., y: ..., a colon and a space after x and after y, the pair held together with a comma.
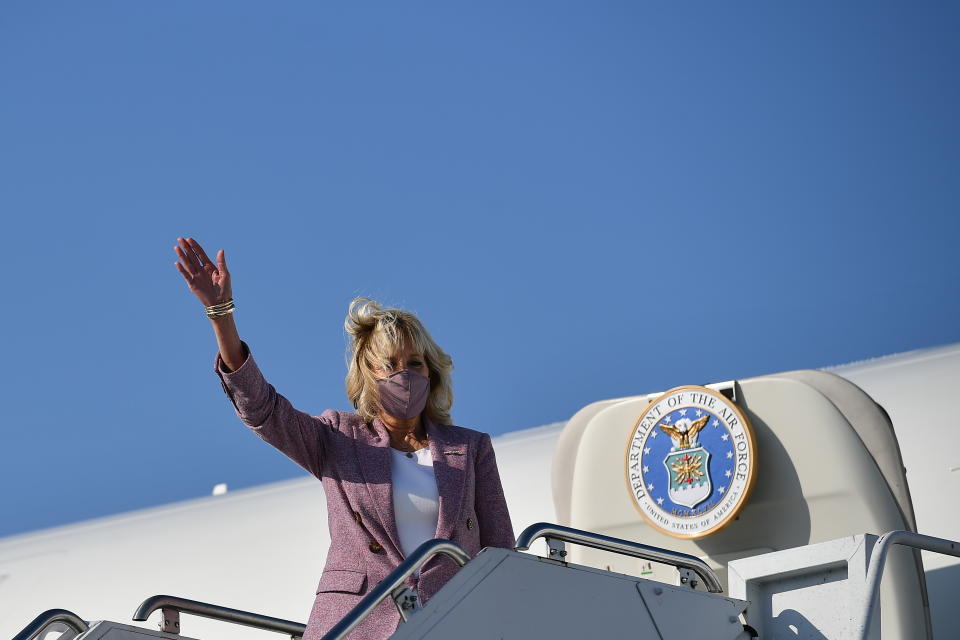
x: 262, y: 549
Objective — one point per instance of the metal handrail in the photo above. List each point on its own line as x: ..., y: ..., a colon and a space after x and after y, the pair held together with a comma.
x: 394, y: 582
x: 50, y: 617
x: 617, y: 545
x: 216, y: 612
x: 878, y: 559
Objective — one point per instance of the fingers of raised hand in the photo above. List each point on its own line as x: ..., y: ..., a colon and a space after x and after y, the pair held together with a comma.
x: 198, y: 250
x: 186, y: 274
x: 187, y: 256
x: 208, y: 280
x: 183, y: 265
x: 222, y: 261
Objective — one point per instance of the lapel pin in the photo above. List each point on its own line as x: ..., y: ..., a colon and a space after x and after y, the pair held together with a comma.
x: 452, y: 453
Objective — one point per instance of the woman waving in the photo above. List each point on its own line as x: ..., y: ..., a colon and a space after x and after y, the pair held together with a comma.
x: 395, y: 472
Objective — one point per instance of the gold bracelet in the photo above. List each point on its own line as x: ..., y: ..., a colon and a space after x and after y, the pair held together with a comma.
x: 220, y: 310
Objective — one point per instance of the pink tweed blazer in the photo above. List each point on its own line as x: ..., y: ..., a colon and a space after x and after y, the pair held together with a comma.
x: 352, y: 459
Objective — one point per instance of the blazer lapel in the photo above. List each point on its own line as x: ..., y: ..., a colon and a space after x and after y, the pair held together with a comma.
x: 449, y: 467
x: 373, y: 455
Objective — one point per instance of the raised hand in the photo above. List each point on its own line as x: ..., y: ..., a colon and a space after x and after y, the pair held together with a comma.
x: 209, y: 282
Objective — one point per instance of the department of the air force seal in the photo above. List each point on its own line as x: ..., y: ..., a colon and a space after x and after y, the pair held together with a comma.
x: 690, y: 462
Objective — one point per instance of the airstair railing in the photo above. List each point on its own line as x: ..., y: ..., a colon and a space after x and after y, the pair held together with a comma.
x: 878, y: 559
x: 47, y: 619
x: 393, y: 586
x: 171, y: 607
x: 556, y: 535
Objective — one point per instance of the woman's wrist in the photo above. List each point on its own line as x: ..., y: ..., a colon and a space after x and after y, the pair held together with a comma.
x: 221, y: 321
x: 220, y: 309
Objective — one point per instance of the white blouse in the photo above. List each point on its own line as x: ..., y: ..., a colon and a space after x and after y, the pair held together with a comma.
x: 416, y: 501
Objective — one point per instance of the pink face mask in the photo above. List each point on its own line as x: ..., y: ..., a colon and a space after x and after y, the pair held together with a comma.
x: 403, y: 394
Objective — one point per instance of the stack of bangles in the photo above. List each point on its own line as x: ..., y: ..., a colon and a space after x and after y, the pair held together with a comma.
x: 220, y: 310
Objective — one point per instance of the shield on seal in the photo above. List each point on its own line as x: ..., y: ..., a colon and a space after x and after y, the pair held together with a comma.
x: 689, y: 476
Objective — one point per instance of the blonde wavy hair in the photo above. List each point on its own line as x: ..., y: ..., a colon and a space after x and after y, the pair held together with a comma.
x: 375, y: 335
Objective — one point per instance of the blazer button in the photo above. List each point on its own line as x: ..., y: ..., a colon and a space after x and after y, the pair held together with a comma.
x: 469, y: 523
x: 376, y: 547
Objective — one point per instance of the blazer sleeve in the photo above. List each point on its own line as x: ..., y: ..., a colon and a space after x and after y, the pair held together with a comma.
x: 496, y: 530
x: 272, y: 417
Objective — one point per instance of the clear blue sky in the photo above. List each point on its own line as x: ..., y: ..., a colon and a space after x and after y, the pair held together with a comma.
x: 581, y: 200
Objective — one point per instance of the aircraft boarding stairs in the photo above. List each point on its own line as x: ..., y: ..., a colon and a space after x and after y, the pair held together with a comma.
x: 503, y: 593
